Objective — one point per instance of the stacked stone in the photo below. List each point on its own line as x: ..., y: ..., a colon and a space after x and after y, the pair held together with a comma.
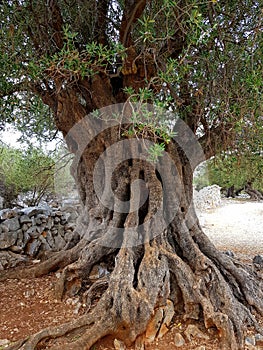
x: 207, y: 198
x: 26, y: 233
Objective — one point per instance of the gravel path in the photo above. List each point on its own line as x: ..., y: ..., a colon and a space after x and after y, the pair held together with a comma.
x: 235, y: 225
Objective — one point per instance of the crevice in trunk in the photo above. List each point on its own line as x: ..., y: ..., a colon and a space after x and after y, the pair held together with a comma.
x: 137, y: 264
x: 144, y: 207
x: 176, y: 265
x: 159, y: 177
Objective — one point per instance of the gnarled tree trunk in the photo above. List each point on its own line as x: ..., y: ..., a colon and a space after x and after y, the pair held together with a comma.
x: 138, y: 222
x: 255, y: 195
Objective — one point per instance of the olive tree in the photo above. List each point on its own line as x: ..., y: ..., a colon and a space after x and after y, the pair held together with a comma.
x: 142, y: 92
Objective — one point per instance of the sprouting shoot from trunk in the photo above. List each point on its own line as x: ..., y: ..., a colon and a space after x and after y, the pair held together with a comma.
x: 142, y: 92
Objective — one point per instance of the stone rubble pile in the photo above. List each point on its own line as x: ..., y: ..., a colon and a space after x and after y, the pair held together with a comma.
x: 27, y: 233
x: 207, y: 198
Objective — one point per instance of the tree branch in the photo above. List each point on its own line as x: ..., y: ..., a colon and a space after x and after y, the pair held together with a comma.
x: 56, y: 22
x: 216, y: 139
x: 101, y: 24
x: 47, y: 95
x: 19, y: 87
x: 132, y: 11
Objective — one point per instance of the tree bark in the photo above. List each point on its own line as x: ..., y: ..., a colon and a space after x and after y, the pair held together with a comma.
x: 139, y: 223
x: 255, y: 195
x: 231, y: 192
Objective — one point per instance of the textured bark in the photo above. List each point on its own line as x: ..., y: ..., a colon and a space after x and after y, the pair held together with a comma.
x: 254, y: 194
x: 231, y: 192
x: 150, y: 262
x: 145, y: 231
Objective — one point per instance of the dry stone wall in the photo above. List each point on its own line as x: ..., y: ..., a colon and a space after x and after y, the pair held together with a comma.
x: 207, y: 198
x: 27, y: 233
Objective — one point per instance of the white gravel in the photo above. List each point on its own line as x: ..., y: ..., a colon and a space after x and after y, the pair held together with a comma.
x: 235, y: 225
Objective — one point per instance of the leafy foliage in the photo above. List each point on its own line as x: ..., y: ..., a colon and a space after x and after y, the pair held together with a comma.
x: 23, y: 171
x: 201, y: 60
x: 240, y: 165
x: 237, y: 170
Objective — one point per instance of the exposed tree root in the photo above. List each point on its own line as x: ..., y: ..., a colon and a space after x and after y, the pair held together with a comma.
x: 57, y: 261
x: 150, y: 277
x: 202, y: 283
x: 51, y: 333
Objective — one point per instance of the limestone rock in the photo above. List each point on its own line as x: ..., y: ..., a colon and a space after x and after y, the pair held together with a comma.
x: 61, y: 231
x: 4, y: 342
x: 12, y: 224
x: 7, y: 214
x: 154, y: 325
x: 30, y: 211
x: 158, y: 325
x: 26, y: 238
x: 16, y: 249
x: 40, y: 229
x: 25, y: 227
x: 258, y: 261
x: 38, y: 220
x: 250, y: 341
x: 68, y: 236
x: 20, y: 239
x: 259, y: 339
x: 9, y: 259
x: 193, y: 331
x: 49, y: 223
x: 59, y: 242
x: 42, y: 217
x: 119, y: 345
x: 7, y: 239
x: 25, y: 219
x: 33, y: 247
x: 3, y: 228
x: 208, y: 197
x: 30, y: 232
x: 139, y: 343
x: 50, y: 239
x: 56, y: 220
x: 44, y: 244
x: 70, y: 226
x: 33, y: 211
x: 33, y: 232
x: 229, y: 253
x: 168, y: 315
x: 179, y: 340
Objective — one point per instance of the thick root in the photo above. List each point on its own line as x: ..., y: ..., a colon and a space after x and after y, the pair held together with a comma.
x: 50, y: 333
x: 145, y: 281
x: 57, y: 261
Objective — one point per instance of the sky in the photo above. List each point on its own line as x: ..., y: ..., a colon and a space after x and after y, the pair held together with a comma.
x: 10, y: 137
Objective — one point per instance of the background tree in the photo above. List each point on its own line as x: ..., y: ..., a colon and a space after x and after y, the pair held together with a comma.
x: 235, y: 173
x: 200, y: 60
x: 237, y: 169
x: 22, y: 171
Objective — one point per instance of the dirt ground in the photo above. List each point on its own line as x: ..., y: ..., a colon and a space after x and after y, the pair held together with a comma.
x: 235, y: 224
x: 29, y: 305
